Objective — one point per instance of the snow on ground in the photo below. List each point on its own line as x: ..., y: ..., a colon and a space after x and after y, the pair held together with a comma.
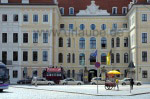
x: 78, y: 92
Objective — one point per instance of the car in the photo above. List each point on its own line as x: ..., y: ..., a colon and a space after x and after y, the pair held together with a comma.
x: 100, y: 81
x: 24, y: 81
x: 126, y: 81
x: 41, y: 81
x: 70, y: 81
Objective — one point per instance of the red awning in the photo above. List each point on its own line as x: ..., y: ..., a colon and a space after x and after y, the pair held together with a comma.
x: 53, y: 69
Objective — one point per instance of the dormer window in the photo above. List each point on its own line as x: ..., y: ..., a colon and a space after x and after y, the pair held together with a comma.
x: 4, y: 1
x: 114, y: 10
x: 71, y: 11
x: 124, y: 10
x: 25, y: 1
x: 62, y: 10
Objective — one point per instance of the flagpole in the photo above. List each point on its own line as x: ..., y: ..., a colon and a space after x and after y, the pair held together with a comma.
x: 97, y: 73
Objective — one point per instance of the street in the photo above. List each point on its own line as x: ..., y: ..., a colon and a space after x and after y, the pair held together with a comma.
x: 74, y: 92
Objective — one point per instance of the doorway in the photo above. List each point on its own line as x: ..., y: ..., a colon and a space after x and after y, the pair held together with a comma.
x: 92, y: 73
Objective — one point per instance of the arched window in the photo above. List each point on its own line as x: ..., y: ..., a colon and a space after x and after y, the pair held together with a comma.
x: 103, y: 43
x: 82, y: 59
x: 82, y: 43
x: 103, y: 58
x: 73, y: 73
x: 103, y: 26
x: 69, y: 42
x: 117, y: 58
x: 93, y: 43
x: 34, y: 73
x: 60, y: 42
x: 112, y: 42
x: 92, y: 59
x: 93, y: 26
x: 71, y: 11
x: 62, y: 10
x: 112, y: 58
x: 68, y: 58
x: 73, y: 58
x: 117, y: 42
x: 68, y: 73
x: 60, y: 58
x: 82, y: 26
x: 126, y: 58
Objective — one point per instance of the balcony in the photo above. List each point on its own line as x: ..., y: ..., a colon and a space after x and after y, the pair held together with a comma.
x: 6, y: 62
x: 118, y: 31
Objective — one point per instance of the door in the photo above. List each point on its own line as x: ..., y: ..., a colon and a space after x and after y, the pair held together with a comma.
x: 4, y: 57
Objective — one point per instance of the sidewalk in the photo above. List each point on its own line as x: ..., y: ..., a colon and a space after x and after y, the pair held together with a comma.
x: 90, y: 89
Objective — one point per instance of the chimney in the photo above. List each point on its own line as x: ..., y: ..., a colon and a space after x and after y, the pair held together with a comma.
x: 55, y: 1
x: 25, y: 1
x: 4, y: 1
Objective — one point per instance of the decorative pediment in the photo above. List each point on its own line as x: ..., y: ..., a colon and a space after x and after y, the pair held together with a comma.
x: 93, y: 9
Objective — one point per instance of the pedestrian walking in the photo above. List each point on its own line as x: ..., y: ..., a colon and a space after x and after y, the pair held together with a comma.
x: 131, y: 83
x: 117, y: 82
x: 35, y: 81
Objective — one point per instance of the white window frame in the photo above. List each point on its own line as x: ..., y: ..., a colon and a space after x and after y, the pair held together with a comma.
x: 32, y: 37
x: 23, y: 18
x: 70, y: 9
x: 43, y: 18
x: 62, y: 10
x: 37, y: 55
x: 43, y: 39
x: 43, y: 57
x: 33, y: 18
x: 116, y: 10
x: 123, y: 10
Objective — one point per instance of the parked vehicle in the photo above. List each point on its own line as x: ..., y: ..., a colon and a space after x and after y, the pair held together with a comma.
x: 70, y: 81
x: 4, y: 77
x: 98, y: 80
x: 41, y: 81
x: 54, y: 74
x: 126, y: 81
x: 24, y: 81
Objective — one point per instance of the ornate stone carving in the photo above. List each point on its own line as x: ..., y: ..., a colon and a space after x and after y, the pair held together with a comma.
x: 93, y: 9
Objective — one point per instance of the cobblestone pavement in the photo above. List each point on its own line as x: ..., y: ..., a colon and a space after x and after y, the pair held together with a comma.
x: 74, y: 92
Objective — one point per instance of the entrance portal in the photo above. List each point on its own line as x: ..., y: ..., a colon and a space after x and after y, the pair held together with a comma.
x: 92, y: 73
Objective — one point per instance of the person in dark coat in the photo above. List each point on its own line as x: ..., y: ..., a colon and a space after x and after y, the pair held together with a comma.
x: 131, y: 83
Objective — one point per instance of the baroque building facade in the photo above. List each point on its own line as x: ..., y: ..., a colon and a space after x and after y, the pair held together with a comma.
x: 36, y: 34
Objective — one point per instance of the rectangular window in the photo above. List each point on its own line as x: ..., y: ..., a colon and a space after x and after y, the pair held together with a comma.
x: 25, y: 18
x: 4, y: 17
x: 144, y: 37
x: 62, y: 11
x: 15, y: 37
x: 15, y: 56
x: 144, y: 17
x: 35, y: 37
x: 35, y: 56
x: 126, y: 42
x: 45, y: 56
x: 144, y: 56
x: 62, y: 26
x: 114, y: 10
x: 45, y: 18
x: 15, y: 18
x: 4, y: 37
x: 45, y: 37
x: 124, y: 10
x: 114, y: 26
x: 25, y: 56
x: 68, y: 58
x: 15, y: 73
x: 35, y: 18
x: 125, y: 25
x: 70, y: 26
x: 25, y: 37
x: 144, y: 74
